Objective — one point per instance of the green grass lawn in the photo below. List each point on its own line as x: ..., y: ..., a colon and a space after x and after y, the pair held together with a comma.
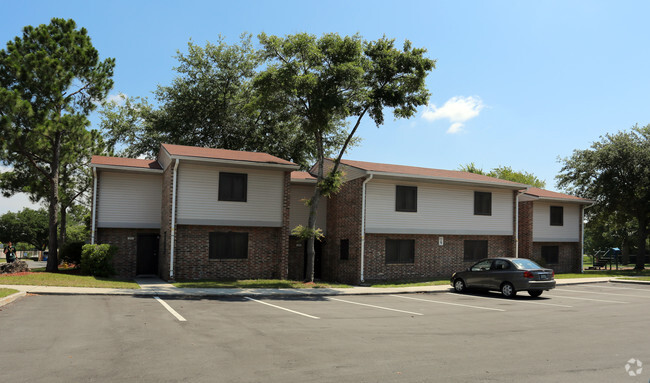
x: 65, y: 278
x: 256, y: 284
x: 7, y: 292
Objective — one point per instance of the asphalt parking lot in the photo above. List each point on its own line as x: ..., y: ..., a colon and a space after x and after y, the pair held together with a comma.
x: 582, y: 333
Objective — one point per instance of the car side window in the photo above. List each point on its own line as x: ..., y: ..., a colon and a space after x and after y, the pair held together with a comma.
x: 500, y: 264
x: 482, y: 266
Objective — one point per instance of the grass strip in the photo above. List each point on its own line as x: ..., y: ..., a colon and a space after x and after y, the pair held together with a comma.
x: 255, y: 284
x: 7, y: 292
x: 65, y: 280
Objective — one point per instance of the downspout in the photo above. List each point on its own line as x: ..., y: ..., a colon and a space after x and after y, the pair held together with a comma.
x: 363, y: 222
x: 173, y: 229
x: 92, y: 233
x: 517, y: 225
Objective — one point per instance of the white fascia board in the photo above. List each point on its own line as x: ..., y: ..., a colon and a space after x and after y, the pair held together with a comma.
x: 126, y: 168
x: 416, y: 178
x: 238, y: 163
x: 562, y: 200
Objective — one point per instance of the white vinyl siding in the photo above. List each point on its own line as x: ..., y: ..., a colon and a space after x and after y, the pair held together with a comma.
x: 544, y: 232
x: 198, y: 203
x: 441, y: 209
x: 299, y: 212
x: 129, y: 200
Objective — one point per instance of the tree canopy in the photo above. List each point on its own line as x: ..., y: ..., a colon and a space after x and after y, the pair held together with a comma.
x: 210, y: 103
x: 506, y: 173
x: 50, y: 79
x: 27, y: 225
x: 615, y: 172
x: 326, y: 83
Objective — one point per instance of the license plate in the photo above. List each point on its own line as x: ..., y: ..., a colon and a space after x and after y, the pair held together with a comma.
x: 543, y: 277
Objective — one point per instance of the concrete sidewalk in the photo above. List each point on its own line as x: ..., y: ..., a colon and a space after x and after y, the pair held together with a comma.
x: 152, y: 286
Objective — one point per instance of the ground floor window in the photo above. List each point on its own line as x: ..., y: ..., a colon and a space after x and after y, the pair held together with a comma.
x: 400, y: 251
x: 551, y: 254
x: 228, y: 245
x: 475, y: 250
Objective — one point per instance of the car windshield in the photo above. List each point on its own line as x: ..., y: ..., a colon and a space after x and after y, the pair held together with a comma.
x: 524, y: 264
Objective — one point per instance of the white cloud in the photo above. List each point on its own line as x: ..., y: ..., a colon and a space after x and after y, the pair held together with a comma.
x: 118, y: 98
x: 456, y: 127
x: 457, y: 110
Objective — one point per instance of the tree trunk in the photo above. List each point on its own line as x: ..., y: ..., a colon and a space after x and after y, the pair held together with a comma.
x: 62, y: 229
x: 311, y: 223
x: 643, y: 235
x: 52, y: 258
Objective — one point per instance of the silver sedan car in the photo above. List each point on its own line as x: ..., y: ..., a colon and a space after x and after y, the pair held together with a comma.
x: 507, y: 275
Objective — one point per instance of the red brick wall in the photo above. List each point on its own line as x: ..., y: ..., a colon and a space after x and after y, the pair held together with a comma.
x: 191, y: 259
x: 525, y: 229
x: 165, y: 223
x: 569, y: 257
x: 344, y: 222
x: 296, y: 259
x: 431, y: 259
x: 126, y: 240
x: 285, y: 231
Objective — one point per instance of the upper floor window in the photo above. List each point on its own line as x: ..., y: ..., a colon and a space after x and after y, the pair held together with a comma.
x: 233, y: 186
x: 406, y: 198
x: 557, y: 216
x: 482, y: 203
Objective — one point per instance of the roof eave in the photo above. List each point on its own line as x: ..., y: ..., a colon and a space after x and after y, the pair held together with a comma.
x: 269, y: 165
x: 126, y: 168
x: 512, y: 186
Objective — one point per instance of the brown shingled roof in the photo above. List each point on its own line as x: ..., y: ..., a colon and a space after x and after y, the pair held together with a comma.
x: 428, y: 172
x: 302, y: 176
x: 224, y: 154
x: 126, y: 162
x: 542, y: 193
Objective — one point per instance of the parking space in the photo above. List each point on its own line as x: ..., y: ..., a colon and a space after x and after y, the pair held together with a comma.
x: 573, y: 333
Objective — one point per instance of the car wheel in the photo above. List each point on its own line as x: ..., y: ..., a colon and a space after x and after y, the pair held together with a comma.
x: 508, y: 290
x: 459, y: 286
x: 535, y: 293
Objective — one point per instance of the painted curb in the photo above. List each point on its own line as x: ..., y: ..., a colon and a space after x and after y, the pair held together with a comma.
x: 8, y: 299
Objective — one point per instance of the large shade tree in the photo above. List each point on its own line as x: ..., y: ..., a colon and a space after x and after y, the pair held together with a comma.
x: 50, y: 79
x: 328, y: 85
x: 615, y: 172
x: 27, y: 225
x: 209, y: 103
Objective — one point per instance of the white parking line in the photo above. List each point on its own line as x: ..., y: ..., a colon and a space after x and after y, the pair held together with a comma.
x: 377, y: 307
x: 617, y: 288
x: 595, y: 292
x: 586, y: 299
x: 171, y: 310
x: 518, y: 301
x: 448, y: 303
x: 282, y: 308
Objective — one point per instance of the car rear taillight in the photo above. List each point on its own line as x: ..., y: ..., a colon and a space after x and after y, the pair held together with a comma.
x: 553, y: 273
x: 528, y: 274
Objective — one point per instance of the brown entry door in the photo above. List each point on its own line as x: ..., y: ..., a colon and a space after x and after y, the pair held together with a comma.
x: 147, y: 254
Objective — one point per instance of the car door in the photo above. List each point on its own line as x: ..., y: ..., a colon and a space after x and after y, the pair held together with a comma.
x: 478, y: 274
x: 499, y: 272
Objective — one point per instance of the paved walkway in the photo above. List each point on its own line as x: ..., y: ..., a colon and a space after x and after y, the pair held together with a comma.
x: 156, y: 287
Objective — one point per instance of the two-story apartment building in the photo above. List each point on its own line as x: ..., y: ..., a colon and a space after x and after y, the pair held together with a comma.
x: 198, y: 213
x: 195, y: 213
x: 551, y: 228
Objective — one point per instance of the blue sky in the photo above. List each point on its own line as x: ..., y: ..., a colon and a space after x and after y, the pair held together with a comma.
x: 518, y: 83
